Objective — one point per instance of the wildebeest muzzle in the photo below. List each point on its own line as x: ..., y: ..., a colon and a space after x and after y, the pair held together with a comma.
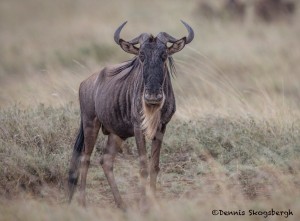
x: 153, y: 97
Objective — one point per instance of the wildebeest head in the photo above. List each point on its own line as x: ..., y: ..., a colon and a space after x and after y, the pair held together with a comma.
x: 153, y: 53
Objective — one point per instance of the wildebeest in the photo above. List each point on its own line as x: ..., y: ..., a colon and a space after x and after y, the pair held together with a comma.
x: 134, y: 98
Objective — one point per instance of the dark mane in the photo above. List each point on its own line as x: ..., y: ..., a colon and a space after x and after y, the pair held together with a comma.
x: 131, y: 65
x: 171, y: 66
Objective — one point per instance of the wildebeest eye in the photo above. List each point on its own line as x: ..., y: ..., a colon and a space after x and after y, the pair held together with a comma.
x: 142, y: 56
x: 164, y: 56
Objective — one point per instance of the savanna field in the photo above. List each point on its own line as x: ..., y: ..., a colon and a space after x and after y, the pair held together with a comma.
x: 233, y: 144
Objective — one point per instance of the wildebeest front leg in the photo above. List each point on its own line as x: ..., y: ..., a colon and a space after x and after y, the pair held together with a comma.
x: 141, y: 147
x: 155, y: 152
x: 107, y: 160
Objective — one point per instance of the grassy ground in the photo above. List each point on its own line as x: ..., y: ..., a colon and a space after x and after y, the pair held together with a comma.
x: 233, y: 144
x: 214, y: 162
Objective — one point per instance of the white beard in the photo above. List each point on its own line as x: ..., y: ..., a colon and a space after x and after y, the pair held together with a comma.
x: 151, y: 118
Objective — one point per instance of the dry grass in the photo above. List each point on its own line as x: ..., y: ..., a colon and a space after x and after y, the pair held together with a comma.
x: 233, y: 143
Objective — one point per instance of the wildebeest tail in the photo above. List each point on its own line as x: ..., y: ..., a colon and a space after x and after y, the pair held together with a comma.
x: 75, y: 162
x: 78, y: 146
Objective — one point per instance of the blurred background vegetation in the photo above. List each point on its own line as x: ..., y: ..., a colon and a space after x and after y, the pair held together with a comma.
x: 245, y: 50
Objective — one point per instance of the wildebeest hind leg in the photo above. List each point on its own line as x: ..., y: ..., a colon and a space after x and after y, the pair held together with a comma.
x: 91, y: 129
x: 113, y: 144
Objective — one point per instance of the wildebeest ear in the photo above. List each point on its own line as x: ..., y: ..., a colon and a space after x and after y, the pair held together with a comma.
x: 129, y: 48
x: 176, y: 46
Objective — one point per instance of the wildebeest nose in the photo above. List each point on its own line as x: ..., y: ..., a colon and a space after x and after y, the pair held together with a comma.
x: 159, y: 96
x: 153, y: 97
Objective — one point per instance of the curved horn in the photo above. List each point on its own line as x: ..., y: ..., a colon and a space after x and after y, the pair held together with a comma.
x: 138, y: 40
x: 117, y: 33
x: 190, y: 36
x: 165, y: 37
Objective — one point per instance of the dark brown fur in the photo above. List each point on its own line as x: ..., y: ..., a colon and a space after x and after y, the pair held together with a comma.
x: 113, y: 100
